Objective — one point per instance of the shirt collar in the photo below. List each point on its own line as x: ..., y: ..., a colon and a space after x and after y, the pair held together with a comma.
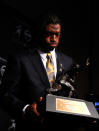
x: 43, y: 55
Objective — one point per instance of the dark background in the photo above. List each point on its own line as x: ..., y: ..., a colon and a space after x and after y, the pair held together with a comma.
x: 80, y: 20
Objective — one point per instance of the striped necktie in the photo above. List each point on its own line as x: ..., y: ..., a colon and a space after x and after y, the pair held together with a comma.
x: 50, y: 69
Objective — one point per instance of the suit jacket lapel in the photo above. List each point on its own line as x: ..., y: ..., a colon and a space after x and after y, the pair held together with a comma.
x: 36, y: 61
x: 59, y: 64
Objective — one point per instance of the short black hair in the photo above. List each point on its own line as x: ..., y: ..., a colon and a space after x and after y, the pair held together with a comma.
x: 49, y: 18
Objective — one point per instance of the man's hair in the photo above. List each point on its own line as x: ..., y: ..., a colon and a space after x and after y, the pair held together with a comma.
x: 49, y: 18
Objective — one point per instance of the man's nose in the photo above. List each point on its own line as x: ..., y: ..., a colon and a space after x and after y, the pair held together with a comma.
x: 53, y: 38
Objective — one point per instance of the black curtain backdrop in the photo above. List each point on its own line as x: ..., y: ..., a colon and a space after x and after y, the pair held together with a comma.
x: 80, y: 20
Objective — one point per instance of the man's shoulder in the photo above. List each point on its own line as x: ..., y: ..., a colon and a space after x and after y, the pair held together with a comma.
x: 22, y: 53
x: 63, y: 56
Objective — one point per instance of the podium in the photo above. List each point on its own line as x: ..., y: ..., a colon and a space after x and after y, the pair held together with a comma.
x: 75, y: 110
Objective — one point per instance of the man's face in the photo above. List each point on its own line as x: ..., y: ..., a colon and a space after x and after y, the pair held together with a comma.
x: 52, y: 35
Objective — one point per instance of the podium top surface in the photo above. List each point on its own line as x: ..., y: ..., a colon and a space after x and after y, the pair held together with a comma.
x: 66, y: 105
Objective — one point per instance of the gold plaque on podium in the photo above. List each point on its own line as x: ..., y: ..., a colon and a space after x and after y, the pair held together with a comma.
x: 72, y: 106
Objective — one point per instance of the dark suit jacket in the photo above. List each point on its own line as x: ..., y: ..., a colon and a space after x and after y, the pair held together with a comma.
x: 25, y: 79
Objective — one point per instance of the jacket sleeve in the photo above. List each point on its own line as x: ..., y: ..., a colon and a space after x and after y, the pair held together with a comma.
x: 8, y: 90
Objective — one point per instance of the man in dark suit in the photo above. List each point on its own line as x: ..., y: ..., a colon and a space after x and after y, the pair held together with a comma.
x: 25, y: 81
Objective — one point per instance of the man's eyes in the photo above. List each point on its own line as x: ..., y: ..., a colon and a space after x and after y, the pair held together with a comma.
x: 51, y: 34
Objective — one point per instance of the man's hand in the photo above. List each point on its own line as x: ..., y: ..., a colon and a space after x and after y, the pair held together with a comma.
x: 32, y: 113
x: 34, y: 107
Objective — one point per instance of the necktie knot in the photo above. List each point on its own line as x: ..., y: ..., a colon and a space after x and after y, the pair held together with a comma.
x: 49, y: 56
